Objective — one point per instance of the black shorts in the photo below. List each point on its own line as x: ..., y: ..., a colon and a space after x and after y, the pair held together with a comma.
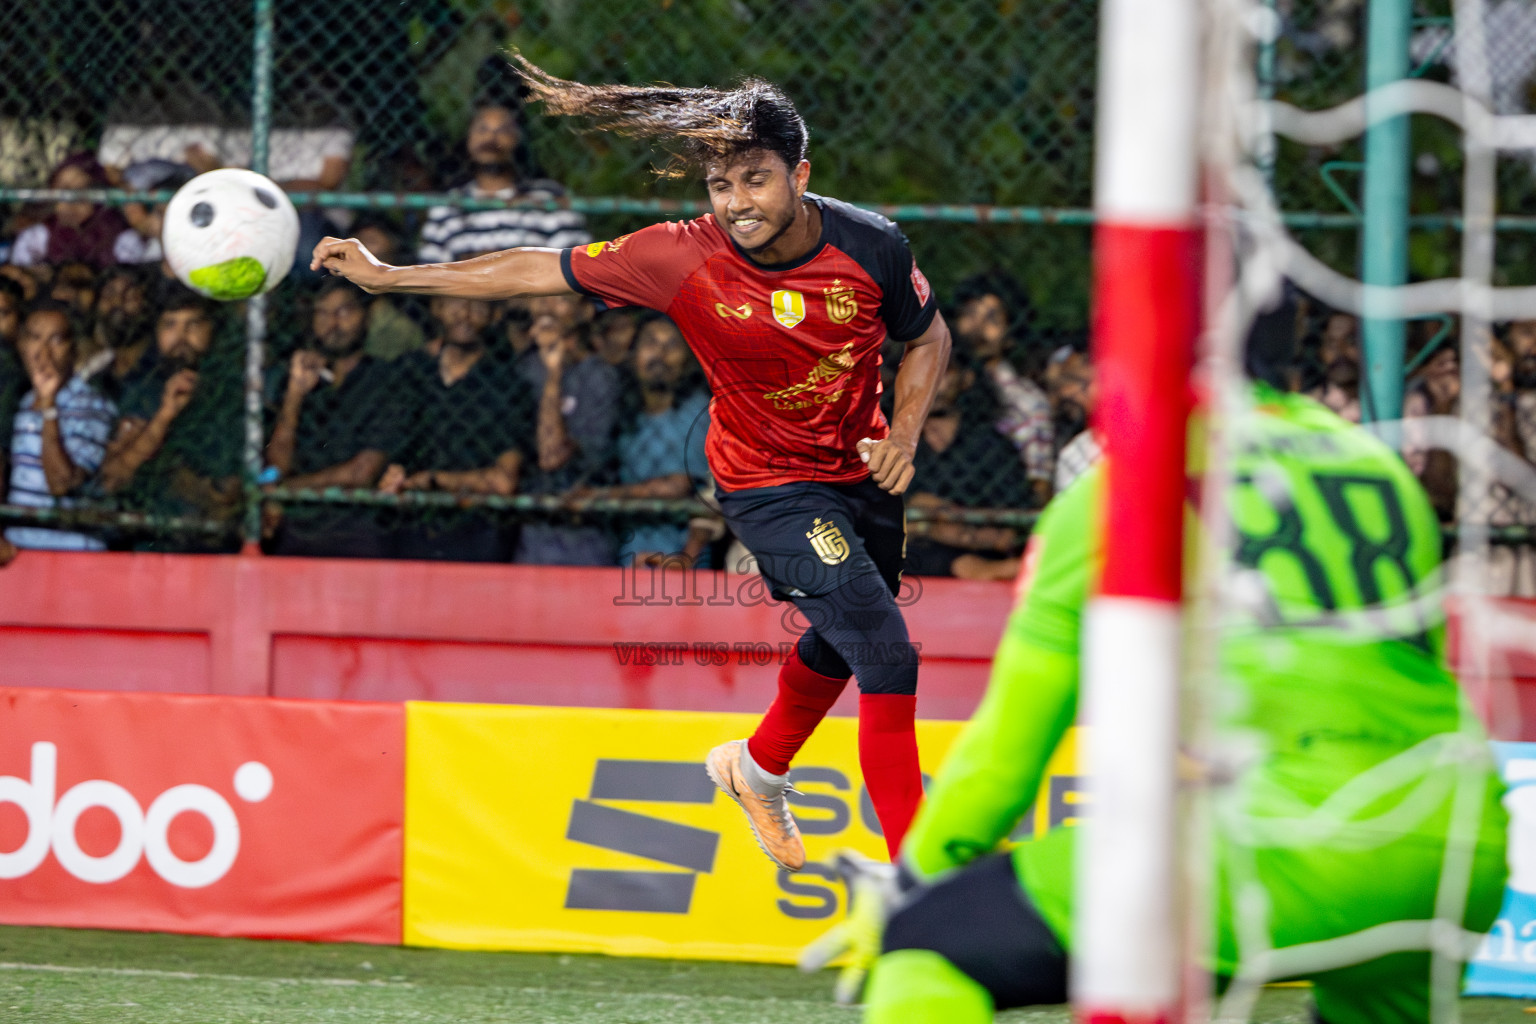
x: 981, y: 920
x: 811, y: 538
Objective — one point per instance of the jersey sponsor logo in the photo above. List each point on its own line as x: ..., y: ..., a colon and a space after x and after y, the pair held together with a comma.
x: 788, y: 307
x: 828, y: 542
x: 597, y: 247
x: 828, y: 368
x: 920, y: 285
x: 741, y: 312
x: 842, y: 306
x: 618, y: 243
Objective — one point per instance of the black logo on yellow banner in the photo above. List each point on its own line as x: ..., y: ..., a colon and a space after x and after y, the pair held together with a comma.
x: 824, y: 805
x: 666, y: 842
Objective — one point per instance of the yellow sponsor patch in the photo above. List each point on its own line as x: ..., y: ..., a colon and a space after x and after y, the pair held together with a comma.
x: 595, y: 248
x: 596, y: 830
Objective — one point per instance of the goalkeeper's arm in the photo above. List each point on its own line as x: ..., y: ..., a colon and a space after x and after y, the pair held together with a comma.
x: 993, y: 772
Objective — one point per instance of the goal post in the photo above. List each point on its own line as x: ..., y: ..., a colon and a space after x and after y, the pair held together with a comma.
x: 1147, y: 260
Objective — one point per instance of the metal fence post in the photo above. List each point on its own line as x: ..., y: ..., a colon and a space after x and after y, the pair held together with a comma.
x: 256, y: 306
x: 1384, y: 235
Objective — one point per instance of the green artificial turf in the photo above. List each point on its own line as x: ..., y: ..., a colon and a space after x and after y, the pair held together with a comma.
x: 84, y: 977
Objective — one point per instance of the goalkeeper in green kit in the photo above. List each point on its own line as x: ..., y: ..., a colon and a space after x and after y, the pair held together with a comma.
x: 1333, y: 682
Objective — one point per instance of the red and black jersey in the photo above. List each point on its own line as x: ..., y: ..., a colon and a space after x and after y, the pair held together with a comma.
x: 792, y: 351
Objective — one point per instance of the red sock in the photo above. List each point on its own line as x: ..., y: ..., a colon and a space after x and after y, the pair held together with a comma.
x: 888, y: 758
x: 804, y: 699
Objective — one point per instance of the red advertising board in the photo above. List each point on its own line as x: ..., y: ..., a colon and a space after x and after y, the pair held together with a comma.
x: 210, y: 815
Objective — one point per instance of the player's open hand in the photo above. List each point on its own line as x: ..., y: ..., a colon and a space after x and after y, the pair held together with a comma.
x: 890, y: 463
x: 349, y: 258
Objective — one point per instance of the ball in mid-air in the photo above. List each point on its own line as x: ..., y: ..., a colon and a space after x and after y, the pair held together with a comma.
x: 230, y: 234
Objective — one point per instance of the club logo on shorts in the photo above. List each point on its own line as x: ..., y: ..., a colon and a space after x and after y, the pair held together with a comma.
x: 788, y: 307
x: 828, y: 542
x: 595, y: 248
x: 842, y: 306
x: 741, y: 312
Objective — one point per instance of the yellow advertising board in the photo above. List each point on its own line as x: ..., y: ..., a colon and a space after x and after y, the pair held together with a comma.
x: 596, y: 830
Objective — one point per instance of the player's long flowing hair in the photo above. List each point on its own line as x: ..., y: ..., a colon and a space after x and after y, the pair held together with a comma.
x: 696, y: 126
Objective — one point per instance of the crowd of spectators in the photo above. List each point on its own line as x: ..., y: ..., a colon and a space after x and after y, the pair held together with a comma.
x: 125, y: 390
x: 121, y: 389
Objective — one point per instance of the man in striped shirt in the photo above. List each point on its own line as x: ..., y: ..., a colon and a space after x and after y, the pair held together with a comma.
x: 1070, y: 379
x: 452, y: 234
x: 990, y: 307
x: 60, y: 431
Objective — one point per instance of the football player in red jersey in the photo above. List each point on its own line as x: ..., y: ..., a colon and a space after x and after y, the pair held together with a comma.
x: 785, y: 297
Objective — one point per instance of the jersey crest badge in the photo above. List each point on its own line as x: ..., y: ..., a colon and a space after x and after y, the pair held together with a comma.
x: 595, y: 248
x: 842, y: 306
x: 741, y: 312
x: 788, y: 307
x: 828, y: 542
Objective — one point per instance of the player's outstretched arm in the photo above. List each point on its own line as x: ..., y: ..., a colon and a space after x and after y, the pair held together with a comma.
x: 509, y: 274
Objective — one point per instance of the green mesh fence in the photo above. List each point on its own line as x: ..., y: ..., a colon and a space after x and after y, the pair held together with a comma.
x: 970, y: 124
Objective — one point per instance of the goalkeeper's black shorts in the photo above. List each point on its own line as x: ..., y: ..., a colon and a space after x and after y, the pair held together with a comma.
x: 981, y: 920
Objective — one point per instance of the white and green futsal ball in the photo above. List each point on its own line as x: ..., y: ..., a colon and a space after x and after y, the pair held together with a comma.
x: 230, y: 234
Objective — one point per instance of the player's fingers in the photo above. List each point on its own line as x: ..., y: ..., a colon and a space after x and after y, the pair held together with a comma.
x: 882, y: 464
x: 880, y: 459
x: 833, y: 944
x: 900, y: 477
x: 850, y: 984
x: 328, y: 248
x: 875, y: 467
x: 318, y: 254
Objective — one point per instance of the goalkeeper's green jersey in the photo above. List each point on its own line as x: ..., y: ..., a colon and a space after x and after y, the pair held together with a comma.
x: 1335, y: 704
